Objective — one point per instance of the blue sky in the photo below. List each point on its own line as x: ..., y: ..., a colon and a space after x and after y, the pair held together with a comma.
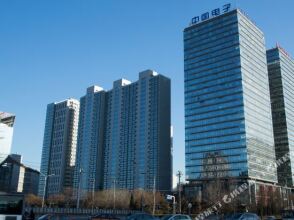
x: 51, y: 50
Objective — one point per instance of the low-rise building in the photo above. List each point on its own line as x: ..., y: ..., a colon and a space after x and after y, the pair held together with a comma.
x: 15, y: 177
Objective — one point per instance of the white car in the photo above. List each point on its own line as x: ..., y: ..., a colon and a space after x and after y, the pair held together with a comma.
x: 175, y: 217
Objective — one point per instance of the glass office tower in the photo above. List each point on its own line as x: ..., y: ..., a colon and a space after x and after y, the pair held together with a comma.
x: 281, y: 78
x: 228, y: 122
x: 59, y: 147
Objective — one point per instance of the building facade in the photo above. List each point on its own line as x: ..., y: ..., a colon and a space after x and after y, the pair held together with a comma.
x: 15, y: 177
x: 138, y: 138
x: 128, y: 131
x: 90, y: 149
x: 281, y: 78
x: 59, y: 147
x: 228, y: 121
x: 6, y: 133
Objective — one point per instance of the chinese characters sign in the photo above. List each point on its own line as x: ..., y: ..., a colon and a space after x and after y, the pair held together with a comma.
x: 207, y: 15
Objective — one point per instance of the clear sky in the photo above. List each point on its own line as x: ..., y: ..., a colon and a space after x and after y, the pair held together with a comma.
x: 51, y: 50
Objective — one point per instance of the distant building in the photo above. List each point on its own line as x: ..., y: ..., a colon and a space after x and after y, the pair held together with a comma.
x: 59, y: 147
x: 6, y: 133
x: 15, y: 177
x: 124, y: 135
x: 281, y: 78
x: 228, y: 120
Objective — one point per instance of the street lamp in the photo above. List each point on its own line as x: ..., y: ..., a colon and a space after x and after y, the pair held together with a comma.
x: 189, y: 207
x: 180, y: 174
x: 142, y: 201
x: 93, y: 192
x: 114, y: 182
x: 171, y: 197
x: 45, y: 184
x: 79, y: 188
x: 154, y: 192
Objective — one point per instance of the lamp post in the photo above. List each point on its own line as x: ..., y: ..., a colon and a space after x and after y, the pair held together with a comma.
x: 142, y: 201
x: 142, y: 195
x: 45, y: 184
x: 93, y: 192
x: 154, y: 192
x: 189, y: 207
x: 79, y: 188
x: 170, y: 197
x: 114, y: 182
x: 179, y: 174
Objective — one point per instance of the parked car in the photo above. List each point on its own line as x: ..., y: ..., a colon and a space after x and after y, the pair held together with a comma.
x: 242, y: 216
x: 213, y: 217
x: 270, y: 218
x: 43, y: 217
x: 175, y: 217
x: 288, y: 214
x: 62, y: 217
x: 141, y: 216
x: 46, y: 217
x: 105, y: 217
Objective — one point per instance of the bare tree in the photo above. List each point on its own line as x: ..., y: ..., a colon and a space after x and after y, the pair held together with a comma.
x: 57, y: 200
x: 33, y: 200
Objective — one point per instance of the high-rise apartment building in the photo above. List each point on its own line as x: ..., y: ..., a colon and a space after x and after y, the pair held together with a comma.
x: 6, y: 133
x: 90, y: 150
x: 138, y: 139
x: 281, y: 78
x: 228, y: 120
x: 128, y: 133
x: 59, y: 147
x: 121, y: 136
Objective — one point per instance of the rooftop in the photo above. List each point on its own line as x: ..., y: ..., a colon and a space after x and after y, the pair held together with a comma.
x: 7, y: 118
